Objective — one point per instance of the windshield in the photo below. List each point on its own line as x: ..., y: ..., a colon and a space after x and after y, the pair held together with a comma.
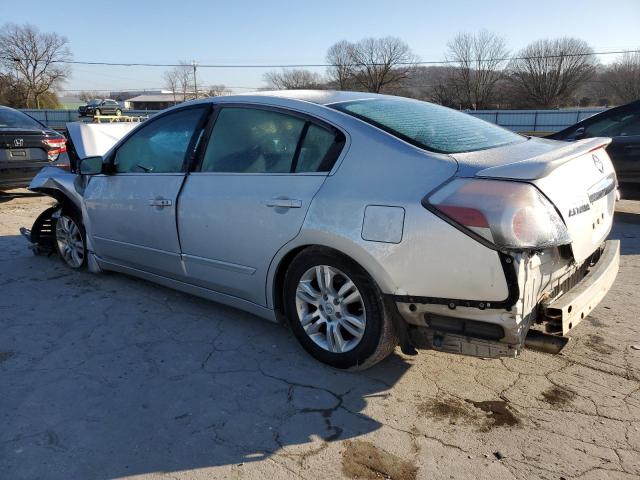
x: 15, y: 119
x: 429, y: 126
x: 94, y: 102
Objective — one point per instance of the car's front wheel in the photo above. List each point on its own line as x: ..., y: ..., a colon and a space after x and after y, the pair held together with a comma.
x: 71, y: 240
x: 336, y: 310
x: 118, y: 112
x: 97, y: 112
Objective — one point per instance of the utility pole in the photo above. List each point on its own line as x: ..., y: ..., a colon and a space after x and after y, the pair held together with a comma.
x: 195, y: 81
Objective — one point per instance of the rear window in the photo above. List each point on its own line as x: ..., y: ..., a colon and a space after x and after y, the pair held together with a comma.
x: 15, y: 119
x: 429, y: 126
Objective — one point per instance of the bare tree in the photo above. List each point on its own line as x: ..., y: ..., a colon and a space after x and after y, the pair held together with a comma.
x: 478, y: 60
x: 548, y: 72
x: 171, y: 82
x: 35, y: 60
x: 341, y: 71
x: 443, y: 89
x: 623, y: 77
x: 218, y: 91
x: 180, y: 81
x: 292, y: 79
x: 87, y: 95
x: 381, y: 62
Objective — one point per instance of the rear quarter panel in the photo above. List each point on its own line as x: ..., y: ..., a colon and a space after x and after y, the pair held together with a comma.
x: 433, y: 258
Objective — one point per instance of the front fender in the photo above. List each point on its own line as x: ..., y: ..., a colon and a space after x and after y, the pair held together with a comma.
x: 59, y: 184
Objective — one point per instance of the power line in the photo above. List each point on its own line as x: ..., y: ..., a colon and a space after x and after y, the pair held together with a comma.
x: 318, y: 65
x: 147, y: 89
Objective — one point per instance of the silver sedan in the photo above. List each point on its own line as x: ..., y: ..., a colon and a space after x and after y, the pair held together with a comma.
x: 361, y: 221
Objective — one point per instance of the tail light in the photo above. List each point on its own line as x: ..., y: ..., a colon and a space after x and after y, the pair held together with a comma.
x: 510, y: 215
x: 56, y: 147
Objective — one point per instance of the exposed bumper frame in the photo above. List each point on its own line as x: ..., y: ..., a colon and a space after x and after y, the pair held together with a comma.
x: 570, y: 309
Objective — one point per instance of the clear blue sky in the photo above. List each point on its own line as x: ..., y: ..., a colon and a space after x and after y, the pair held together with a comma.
x: 288, y: 31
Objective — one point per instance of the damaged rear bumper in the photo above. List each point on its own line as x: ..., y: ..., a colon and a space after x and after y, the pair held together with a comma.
x: 493, y: 333
x: 564, y: 313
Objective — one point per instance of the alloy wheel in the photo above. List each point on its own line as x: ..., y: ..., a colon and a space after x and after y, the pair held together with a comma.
x: 70, y: 241
x: 330, y: 309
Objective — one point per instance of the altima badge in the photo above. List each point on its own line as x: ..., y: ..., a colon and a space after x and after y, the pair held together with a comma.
x: 598, y: 163
x: 579, y: 209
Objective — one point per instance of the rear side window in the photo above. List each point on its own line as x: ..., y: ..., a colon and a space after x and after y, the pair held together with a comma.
x: 317, y: 147
x: 253, y: 140
x: 429, y: 126
x: 161, y: 145
x: 15, y: 119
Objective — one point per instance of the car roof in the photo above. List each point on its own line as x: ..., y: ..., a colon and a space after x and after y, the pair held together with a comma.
x: 321, y: 97
x: 318, y: 97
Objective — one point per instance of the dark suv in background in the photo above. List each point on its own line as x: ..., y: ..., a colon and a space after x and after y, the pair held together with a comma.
x: 98, y: 106
x: 26, y: 146
x: 622, y: 124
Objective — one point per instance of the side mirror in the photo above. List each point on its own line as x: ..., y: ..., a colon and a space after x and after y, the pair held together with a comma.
x: 91, y: 166
x: 579, y: 133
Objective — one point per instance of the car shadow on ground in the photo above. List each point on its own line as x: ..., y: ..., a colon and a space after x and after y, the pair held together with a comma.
x: 106, y: 376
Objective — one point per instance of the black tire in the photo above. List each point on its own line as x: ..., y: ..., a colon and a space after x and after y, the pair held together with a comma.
x: 97, y: 112
x: 379, y: 338
x: 118, y: 112
x: 70, y: 259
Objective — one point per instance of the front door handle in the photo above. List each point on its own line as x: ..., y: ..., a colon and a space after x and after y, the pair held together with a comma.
x: 160, y: 202
x: 284, y: 203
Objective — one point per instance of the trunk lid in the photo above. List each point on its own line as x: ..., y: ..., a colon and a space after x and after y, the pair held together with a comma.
x: 21, y: 145
x: 578, y: 178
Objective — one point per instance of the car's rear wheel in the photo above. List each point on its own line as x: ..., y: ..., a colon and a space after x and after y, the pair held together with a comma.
x: 118, y: 112
x: 71, y: 240
x: 336, y: 311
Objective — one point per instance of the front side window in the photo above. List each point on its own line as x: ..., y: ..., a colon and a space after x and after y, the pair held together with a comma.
x: 161, y: 145
x: 432, y: 127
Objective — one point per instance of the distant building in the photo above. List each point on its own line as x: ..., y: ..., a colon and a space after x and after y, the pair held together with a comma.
x: 123, y: 95
x: 158, y: 101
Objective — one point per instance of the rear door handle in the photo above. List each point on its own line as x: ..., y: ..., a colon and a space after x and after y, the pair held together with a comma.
x: 284, y: 203
x: 160, y: 202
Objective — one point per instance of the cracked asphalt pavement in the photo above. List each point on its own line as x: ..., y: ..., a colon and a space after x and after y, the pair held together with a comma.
x: 106, y: 376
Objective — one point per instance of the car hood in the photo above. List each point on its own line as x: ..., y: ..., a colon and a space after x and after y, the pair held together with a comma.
x: 91, y: 139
